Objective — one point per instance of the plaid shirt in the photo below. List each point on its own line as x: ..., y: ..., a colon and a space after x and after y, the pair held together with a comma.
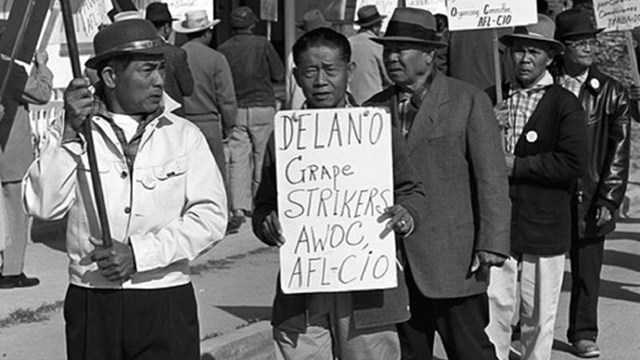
x: 573, y: 83
x: 522, y: 102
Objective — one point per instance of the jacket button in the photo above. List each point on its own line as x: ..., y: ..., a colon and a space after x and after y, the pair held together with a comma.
x: 127, y: 210
x: 123, y: 175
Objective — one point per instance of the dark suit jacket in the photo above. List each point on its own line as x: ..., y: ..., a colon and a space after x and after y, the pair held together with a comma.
x: 454, y: 145
x: 545, y: 172
x: 178, y: 81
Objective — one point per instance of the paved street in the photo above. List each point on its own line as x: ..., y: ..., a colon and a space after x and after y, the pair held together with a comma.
x: 235, y: 286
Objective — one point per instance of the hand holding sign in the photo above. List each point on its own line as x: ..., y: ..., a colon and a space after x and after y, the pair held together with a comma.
x: 400, y: 221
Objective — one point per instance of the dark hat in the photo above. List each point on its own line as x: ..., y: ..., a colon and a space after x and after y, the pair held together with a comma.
x: 411, y: 25
x: 134, y: 36
x: 574, y: 23
x: 242, y: 17
x: 541, y: 31
x: 369, y: 15
x: 158, y: 12
x: 312, y: 20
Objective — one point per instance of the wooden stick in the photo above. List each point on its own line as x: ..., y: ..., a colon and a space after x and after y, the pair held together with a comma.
x: 496, y: 65
x: 72, y: 44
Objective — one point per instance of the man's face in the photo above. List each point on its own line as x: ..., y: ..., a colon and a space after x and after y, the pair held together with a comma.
x: 323, y: 77
x: 407, y: 63
x: 530, y: 60
x: 139, y: 87
x: 579, y: 53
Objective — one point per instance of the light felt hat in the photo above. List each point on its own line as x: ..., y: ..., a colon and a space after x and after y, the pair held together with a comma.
x: 195, y: 20
x: 542, y: 31
x: 369, y: 15
x: 411, y: 25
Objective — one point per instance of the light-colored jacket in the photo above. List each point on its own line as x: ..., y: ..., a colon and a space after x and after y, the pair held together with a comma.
x: 370, y: 76
x: 170, y: 208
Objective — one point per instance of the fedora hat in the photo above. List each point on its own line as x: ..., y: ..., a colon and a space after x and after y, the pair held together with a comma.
x: 158, y: 12
x: 411, y: 25
x: 369, y: 15
x: 194, y: 21
x: 242, y: 17
x: 312, y: 20
x: 542, y: 31
x: 133, y: 36
x: 575, y: 23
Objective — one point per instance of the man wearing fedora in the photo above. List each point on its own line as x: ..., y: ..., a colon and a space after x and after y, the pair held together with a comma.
x: 369, y: 76
x: 178, y: 81
x: 212, y: 105
x: 294, y: 97
x: 453, y: 142
x: 546, y: 151
x: 601, y: 189
x: 133, y: 300
x: 255, y: 66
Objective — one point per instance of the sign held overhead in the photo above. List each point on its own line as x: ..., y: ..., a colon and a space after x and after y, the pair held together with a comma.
x: 488, y: 14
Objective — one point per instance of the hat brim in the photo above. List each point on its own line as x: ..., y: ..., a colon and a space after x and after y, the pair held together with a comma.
x: 509, y: 39
x: 93, y: 62
x: 580, y: 34
x: 302, y: 26
x: 391, y: 39
x: 183, y: 30
x: 370, y: 22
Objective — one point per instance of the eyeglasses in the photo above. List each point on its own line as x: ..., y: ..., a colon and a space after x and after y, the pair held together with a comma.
x: 581, y: 44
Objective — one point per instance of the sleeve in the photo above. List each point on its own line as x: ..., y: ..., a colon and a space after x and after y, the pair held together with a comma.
x: 38, y: 87
x: 183, y: 74
x: 266, y: 199
x: 225, y: 94
x: 276, y: 67
x: 493, y: 206
x: 49, y: 186
x: 615, y: 174
x: 407, y: 189
x: 204, y: 218
x: 568, y: 159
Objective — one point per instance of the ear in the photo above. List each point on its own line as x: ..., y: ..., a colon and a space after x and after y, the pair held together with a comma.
x: 429, y: 55
x: 109, y: 77
x: 351, y: 68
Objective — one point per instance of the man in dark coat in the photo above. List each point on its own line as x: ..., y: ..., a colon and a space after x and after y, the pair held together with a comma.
x: 178, y: 81
x: 546, y: 153
x: 601, y: 189
x: 453, y: 141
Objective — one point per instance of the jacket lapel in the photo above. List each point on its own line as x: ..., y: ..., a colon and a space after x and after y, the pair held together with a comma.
x: 429, y: 116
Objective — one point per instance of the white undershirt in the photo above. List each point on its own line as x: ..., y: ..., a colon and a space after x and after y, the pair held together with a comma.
x: 128, y: 124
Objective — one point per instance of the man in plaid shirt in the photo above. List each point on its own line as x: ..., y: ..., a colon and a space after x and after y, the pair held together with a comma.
x: 545, y: 153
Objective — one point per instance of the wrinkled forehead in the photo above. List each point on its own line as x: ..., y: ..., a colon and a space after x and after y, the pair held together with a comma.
x: 323, y: 53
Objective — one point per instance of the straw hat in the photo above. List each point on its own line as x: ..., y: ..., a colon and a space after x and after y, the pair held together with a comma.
x: 195, y: 20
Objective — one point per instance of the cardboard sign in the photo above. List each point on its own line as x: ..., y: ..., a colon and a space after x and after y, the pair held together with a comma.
x: 433, y: 6
x: 487, y: 14
x: 18, y: 12
x: 617, y: 15
x: 91, y: 14
x: 269, y: 10
x: 335, y: 177
x: 385, y: 7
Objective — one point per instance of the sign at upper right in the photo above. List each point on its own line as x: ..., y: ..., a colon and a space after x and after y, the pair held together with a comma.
x: 488, y: 14
x: 617, y: 15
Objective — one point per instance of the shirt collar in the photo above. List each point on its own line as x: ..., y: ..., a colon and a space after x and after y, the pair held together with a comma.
x: 543, y: 82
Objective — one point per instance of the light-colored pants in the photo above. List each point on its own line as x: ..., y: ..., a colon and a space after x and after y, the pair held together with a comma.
x: 331, y: 334
x: 247, y: 146
x: 13, y: 254
x: 540, y: 285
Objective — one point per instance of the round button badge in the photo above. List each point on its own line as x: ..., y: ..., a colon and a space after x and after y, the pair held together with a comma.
x: 532, y: 136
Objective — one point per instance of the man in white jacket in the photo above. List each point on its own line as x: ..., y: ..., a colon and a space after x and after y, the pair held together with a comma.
x: 135, y: 298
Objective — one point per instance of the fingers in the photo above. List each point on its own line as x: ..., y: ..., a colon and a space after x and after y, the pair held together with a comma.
x: 603, y: 215
x: 272, y: 229
x: 400, y: 220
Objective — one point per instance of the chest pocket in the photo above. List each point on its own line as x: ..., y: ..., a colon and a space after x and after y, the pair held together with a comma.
x: 165, y: 183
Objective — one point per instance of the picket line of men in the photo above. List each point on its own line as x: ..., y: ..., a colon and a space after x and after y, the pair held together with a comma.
x: 566, y: 134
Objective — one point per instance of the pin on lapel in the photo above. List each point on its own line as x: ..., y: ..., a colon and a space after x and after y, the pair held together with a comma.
x: 531, y: 136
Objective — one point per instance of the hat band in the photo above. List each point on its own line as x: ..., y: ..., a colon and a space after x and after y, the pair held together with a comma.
x: 410, y: 30
x: 370, y: 18
x: 135, y: 46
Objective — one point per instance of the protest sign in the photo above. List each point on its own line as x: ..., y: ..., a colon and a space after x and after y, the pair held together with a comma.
x: 615, y: 15
x: 269, y: 10
x: 434, y: 6
x: 335, y: 177
x: 385, y: 7
x: 487, y: 14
